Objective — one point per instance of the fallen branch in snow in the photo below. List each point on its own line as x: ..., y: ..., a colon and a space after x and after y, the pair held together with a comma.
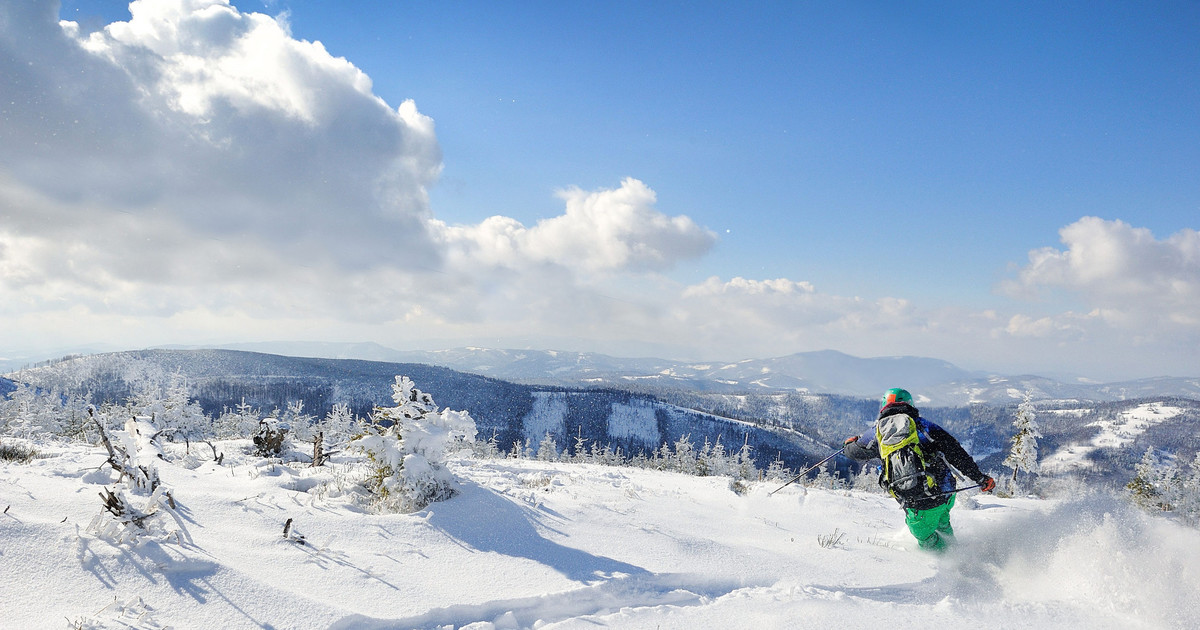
x: 216, y: 457
x: 295, y: 537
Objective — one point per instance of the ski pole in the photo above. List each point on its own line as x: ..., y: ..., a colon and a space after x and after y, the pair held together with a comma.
x: 806, y: 471
x: 942, y: 494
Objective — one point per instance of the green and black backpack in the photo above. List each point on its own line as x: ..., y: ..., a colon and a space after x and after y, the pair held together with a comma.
x: 905, y: 473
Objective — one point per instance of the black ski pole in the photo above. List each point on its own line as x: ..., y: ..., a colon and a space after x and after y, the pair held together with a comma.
x: 942, y: 494
x: 806, y: 471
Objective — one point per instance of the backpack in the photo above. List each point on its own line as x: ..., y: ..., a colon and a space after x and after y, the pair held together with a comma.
x: 905, y: 473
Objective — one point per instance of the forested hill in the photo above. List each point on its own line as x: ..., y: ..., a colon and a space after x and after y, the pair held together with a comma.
x: 1104, y: 439
x: 219, y: 380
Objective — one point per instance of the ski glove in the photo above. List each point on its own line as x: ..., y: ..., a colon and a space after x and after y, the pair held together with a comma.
x: 987, y: 485
x: 853, y: 438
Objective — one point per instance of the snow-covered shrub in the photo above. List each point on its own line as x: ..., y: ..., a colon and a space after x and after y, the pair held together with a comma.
x: 134, y: 454
x: 269, y: 441
x: 777, y: 471
x: 867, y: 480
x: 126, y: 519
x: 489, y: 449
x: 406, y: 446
x: 16, y: 452
x: 302, y: 425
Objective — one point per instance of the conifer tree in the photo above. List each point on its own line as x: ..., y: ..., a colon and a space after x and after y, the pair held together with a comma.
x: 1023, y: 453
x: 548, y: 449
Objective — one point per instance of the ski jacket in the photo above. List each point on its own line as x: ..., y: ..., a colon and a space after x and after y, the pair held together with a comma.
x: 941, y: 451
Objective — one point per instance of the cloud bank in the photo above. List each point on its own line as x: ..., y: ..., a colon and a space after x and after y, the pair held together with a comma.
x: 198, y: 175
x: 1123, y: 272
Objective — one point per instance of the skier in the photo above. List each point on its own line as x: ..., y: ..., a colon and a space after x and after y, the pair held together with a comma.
x: 925, y: 455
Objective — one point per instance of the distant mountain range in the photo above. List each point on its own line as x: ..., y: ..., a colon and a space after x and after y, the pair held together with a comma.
x: 636, y: 405
x: 932, y: 381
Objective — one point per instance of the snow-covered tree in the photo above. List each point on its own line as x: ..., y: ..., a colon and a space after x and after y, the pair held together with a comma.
x: 867, y: 479
x: 489, y: 449
x: 718, y: 460
x: 684, y: 458
x: 1023, y: 450
x: 301, y: 424
x: 172, y: 409
x: 548, y: 449
x: 580, y: 455
x: 239, y: 422
x: 29, y: 411
x: 777, y: 471
x: 743, y: 462
x: 1188, y: 503
x: 1147, y: 486
x: 338, y: 425
x: 407, y: 445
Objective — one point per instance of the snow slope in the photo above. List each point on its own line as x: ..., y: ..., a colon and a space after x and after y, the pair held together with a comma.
x: 1117, y: 432
x: 565, y: 546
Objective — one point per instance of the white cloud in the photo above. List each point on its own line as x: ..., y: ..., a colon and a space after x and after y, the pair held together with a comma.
x: 195, y: 113
x: 600, y: 231
x: 1124, y: 273
x: 200, y: 160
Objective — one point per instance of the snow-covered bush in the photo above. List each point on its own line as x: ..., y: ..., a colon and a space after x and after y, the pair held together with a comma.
x: 271, y: 437
x: 16, y: 452
x: 548, y: 449
x: 406, y: 446
x: 134, y: 454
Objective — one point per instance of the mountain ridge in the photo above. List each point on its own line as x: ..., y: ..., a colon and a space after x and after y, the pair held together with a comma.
x: 932, y: 381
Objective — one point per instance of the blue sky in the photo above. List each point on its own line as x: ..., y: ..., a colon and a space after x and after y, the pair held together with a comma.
x: 804, y: 132
x: 874, y: 178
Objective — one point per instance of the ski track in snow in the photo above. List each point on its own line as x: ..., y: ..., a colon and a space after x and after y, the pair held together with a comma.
x: 555, y: 546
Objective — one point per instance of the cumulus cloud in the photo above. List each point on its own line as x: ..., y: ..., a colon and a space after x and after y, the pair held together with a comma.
x: 1123, y: 274
x: 199, y: 159
x: 604, y: 230
x: 196, y: 114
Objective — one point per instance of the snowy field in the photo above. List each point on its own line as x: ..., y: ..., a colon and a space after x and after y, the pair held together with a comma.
x: 528, y: 544
x: 1115, y: 433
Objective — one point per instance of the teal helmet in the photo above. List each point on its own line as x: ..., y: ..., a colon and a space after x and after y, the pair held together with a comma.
x: 895, y: 395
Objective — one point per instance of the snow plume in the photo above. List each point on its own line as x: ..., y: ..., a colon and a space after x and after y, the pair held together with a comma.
x: 1094, y: 552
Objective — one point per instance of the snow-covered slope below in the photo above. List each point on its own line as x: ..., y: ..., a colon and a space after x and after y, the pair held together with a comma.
x: 1117, y: 432
x: 568, y: 546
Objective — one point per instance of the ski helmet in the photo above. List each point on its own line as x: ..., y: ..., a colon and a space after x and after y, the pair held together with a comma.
x: 895, y: 395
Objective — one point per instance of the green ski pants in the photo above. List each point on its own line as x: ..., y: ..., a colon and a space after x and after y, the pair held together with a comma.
x: 931, y: 527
